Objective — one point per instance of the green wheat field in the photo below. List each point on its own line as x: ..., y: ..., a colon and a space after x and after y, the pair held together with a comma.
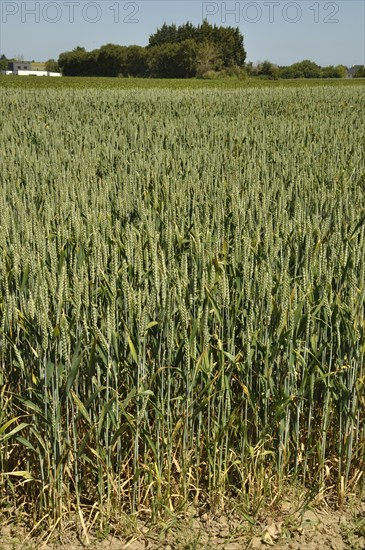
x: 182, y: 296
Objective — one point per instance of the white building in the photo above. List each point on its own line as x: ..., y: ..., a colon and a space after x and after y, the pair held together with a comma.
x: 31, y: 73
x: 28, y: 68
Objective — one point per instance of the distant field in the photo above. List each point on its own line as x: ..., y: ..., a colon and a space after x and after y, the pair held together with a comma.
x: 182, y: 295
x: 126, y: 83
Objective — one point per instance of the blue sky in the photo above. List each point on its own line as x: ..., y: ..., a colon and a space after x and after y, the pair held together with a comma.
x: 327, y: 32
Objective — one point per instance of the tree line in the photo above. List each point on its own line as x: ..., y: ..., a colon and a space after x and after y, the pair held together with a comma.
x: 301, y: 69
x: 183, y: 51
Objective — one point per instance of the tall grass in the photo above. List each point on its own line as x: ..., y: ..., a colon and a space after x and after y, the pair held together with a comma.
x: 182, y: 284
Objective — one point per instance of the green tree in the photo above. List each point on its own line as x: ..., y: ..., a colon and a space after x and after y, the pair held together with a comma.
x: 71, y: 62
x: 52, y: 66
x: 360, y: 73
x: 208, y: 59
x: 110, y: 60
x: 173, y: 60
x: 302, y: 69
x: 186, y: 31
x: 134, y: 61
x: 227, y: 40
x: 3, y: 63
x: 79, y: 62
x: 230, y: 43
x: 267, y: 69
x: 167, y: 34
x: 334, y: 72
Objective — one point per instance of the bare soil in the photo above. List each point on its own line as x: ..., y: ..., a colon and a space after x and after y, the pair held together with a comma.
x: 312, y: 529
